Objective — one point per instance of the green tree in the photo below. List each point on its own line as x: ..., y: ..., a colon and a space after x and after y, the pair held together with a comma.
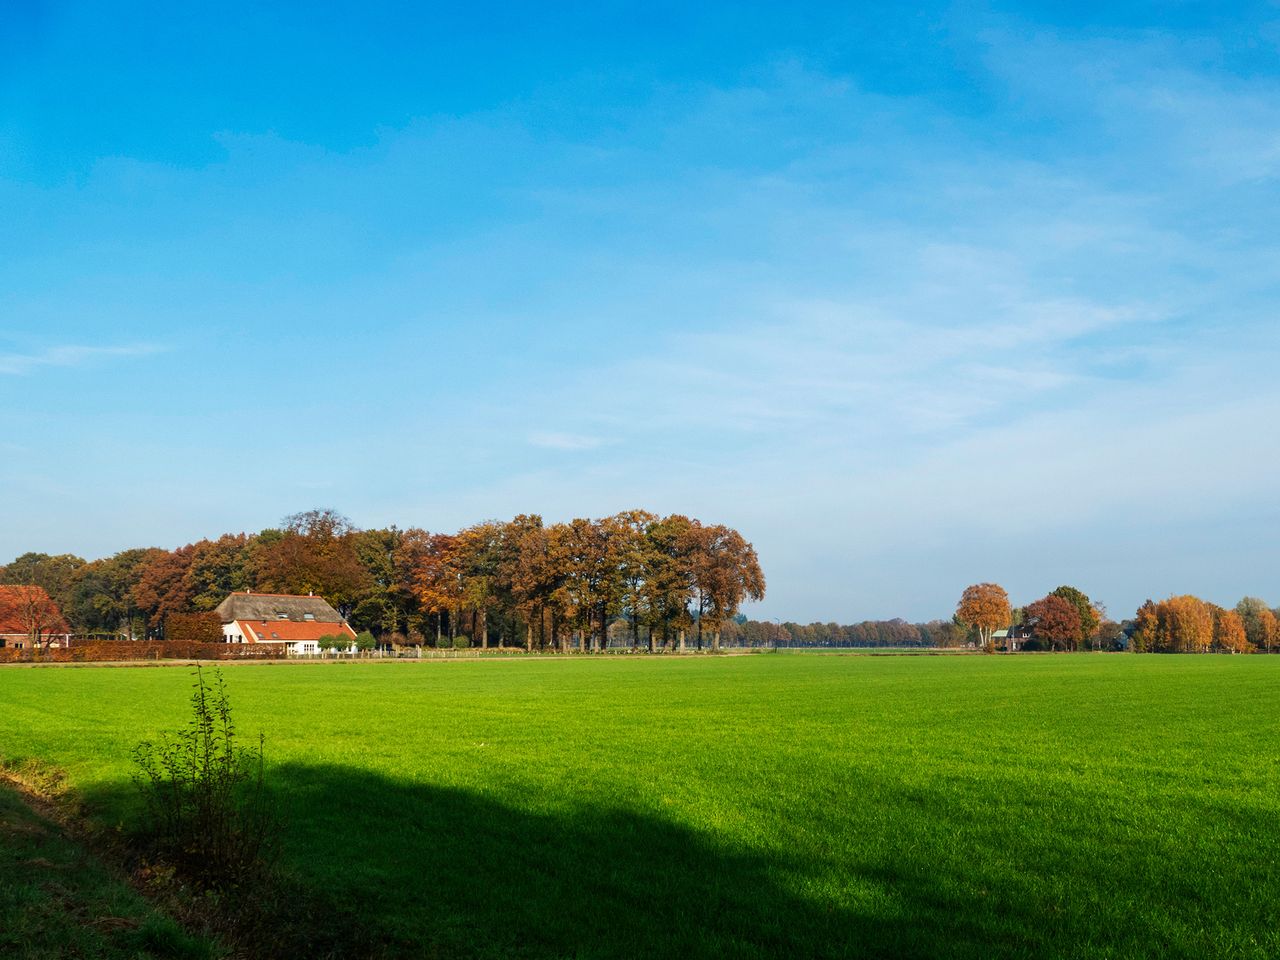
x: 1254, y: 614
x: 331, y: 641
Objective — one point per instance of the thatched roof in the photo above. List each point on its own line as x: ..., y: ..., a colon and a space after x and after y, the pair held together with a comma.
x: 276, y: 606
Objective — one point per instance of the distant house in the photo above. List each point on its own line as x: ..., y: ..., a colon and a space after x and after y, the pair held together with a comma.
x: 295, y: 623
x: 29, y: 619
x: 1013, y: 638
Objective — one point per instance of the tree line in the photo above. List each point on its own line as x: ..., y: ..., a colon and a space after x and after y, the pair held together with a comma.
x: 742, y: 632
x: 661, y: 581
x: 1067, y: 619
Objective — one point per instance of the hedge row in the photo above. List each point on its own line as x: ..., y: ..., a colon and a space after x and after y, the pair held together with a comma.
x: 142, y: 650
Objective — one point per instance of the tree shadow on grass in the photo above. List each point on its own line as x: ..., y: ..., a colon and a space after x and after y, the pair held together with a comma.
x: 377, y: 867
x: 374, y: 867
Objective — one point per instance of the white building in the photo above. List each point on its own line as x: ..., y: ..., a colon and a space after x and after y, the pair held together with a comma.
x: 295, y: 623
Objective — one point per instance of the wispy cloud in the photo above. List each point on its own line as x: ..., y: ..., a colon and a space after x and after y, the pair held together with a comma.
x: 69, y: 355
x: 566, y: 441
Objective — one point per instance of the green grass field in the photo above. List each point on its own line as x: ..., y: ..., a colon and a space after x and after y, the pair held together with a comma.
x: 763, y: 806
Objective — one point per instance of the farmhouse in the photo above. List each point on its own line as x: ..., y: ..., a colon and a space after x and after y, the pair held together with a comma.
x: 29, y: 619
x: 295, y: 623
x: 1012, y: 638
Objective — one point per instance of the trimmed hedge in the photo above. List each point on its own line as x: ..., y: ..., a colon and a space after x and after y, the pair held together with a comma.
x: 205, y: 627
x: 142, y: 650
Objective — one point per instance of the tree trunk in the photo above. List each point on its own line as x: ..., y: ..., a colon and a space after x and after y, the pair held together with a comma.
x: 528, y: 637
x: 482, y: 627
x: 682, y: 640
x: 715, y: 641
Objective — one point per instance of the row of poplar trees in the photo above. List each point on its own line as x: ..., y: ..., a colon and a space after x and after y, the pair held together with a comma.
x: 635, y: 577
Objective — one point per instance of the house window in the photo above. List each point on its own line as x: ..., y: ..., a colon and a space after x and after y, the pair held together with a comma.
x: 308, y: 616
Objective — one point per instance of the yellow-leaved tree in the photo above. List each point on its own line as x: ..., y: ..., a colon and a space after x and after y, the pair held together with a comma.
x: 985, y: 606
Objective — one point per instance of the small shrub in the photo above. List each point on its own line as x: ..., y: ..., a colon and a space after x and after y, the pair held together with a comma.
x: 333, y: 641
x: 206, y: 801
x: 364, y: 641
x: 461, y: 642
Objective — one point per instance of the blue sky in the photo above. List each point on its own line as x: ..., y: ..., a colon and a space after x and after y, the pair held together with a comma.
x: 913, y: 298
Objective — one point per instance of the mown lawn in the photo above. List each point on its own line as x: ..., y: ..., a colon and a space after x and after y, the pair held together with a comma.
x: 764, y: 806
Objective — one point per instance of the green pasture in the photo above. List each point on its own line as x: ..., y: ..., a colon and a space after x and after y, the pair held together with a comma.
x: 753, y: 806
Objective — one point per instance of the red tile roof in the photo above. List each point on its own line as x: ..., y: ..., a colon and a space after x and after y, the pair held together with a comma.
x: 289, y: 631
x: 21, y: 604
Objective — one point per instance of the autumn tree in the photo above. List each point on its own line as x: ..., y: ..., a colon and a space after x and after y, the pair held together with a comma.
x: 163, y: 586
x: 1088, y: 615
x: 668, y: 583
x: 1269, y: 630
x: 33, y: 610
x: 1146, y: 631
x: 633, y: 551
x: 478, y: 564
x: 985, y: 607
x: 437, y: 581
x: 526, y: 573
x: 1186, y: 625
x: 1229, y: 633
x: 315, y: 552
x: 726, y: 572
x: 1055, y: 621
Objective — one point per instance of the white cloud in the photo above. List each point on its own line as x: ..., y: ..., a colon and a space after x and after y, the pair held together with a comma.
x: 71, y: 355
x: 565, y: 441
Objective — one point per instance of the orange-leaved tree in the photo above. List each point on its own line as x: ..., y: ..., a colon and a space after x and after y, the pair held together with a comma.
x: 1055, y: 620
x: 1228, y: 632
x: 985, y: 606
x: 1270, y: 631
x: 1188, y: 624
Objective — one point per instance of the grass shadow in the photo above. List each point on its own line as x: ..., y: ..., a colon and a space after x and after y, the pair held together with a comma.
x: 381, y: 868
x: 387, y: 869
